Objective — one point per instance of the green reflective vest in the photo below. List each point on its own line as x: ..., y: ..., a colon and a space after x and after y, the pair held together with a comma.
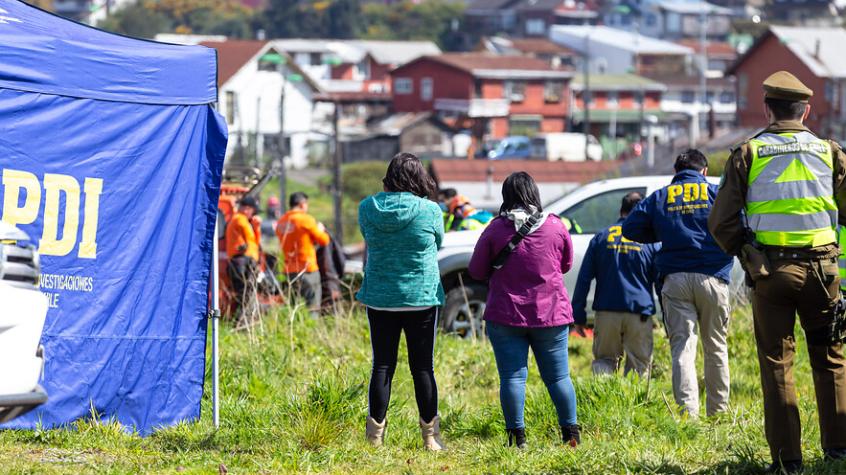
x: 790, y: 199
x: 842, y: 261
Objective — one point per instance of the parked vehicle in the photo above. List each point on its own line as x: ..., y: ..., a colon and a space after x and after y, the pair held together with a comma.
x: 566, y: 146
x: 22, y: 317
x: 592, y: 207
x: 511, y: 148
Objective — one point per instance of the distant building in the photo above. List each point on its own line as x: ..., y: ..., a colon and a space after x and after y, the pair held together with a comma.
x: 250, y: 91
x: 683, y: 106
x: 620, y: 107
x: 494, y: 96
x: 720, y: 55
x: 806, y: 12
x: 541, y: 48
x: 615, y: 51
x: 525, y: 18
x: 815, y: 56
x: 672, y: 19
x: 420, y: 133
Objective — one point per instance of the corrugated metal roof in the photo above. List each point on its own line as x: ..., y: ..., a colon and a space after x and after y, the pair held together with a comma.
x: 694, y: 8
x: 612, y: 82
x: 819, y: 48
x: 574, y: 37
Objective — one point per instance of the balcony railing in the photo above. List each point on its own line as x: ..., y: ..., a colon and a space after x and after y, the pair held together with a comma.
x: 474, y: 107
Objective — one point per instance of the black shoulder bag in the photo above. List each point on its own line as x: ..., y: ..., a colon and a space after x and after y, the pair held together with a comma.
x: 506, y: 251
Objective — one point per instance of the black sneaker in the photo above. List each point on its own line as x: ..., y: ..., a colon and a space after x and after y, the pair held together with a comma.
x: 571, y: 435
x: 834, y: 454
x: 792, y: 467
x: 516, y: 437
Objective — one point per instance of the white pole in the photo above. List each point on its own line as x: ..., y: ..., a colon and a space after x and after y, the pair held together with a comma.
x: 215, y: 321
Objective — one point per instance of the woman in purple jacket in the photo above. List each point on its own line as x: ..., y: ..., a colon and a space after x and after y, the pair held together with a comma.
x: 528, y: 306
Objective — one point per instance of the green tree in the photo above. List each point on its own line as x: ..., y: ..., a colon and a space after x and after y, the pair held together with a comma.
x: 428, y: 20
x: 312, y: 18
x: 138, y: 21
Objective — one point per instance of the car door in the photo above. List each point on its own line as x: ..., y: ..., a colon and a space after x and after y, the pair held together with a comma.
x: 587, y: 218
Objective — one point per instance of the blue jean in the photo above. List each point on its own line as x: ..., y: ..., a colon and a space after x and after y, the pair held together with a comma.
x: 511, y: 350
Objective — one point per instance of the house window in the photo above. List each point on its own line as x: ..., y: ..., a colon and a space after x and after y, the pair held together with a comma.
x: 727, y: 97
x: 315, y: 59
x: 515, y: 91
x: 403, y: 86
x: 709, y: 97
x: 612, y: 99
x: 553, y: 91
x: 231, y: 103
x: 688, y: 97
x: 426, y: 89
x: 528, y: 125
x: 536, y: 27
x: 651, y: 19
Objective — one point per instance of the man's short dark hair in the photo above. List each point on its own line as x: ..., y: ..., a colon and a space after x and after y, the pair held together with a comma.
x: 448, y: 193
x: 785, y: 110
x: 297, y: 198
x: 630, y: 201
x: 691, y: 159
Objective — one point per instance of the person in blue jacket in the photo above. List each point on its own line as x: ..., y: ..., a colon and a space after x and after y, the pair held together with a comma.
x: 695, y: 278
x: 625, y: 275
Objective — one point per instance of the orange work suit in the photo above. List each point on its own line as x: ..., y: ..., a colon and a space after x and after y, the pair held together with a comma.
x: 241, y: 238
x: 298, y: 235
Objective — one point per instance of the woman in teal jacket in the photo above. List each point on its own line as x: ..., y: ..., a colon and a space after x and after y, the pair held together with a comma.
x: 402, y: 290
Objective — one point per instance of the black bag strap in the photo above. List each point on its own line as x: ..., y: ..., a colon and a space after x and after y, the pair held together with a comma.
x: 506, y: 251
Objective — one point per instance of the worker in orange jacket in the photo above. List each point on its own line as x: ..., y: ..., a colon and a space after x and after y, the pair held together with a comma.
x: 242, y: 248
x: 299, y: 234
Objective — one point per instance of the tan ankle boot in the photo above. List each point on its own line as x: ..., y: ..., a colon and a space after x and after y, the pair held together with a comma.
x: 375, y: 432
x: 431, y: 433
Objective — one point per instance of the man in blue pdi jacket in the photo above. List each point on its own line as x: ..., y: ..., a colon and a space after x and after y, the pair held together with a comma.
x: 625, y: 275
x: 695, y: 274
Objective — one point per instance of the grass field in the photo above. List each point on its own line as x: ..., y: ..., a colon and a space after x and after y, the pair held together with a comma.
x: 294, y: 401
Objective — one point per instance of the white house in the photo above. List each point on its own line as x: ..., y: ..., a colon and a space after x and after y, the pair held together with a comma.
x: 250, y: 92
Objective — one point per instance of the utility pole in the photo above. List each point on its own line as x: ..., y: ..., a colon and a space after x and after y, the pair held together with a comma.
x: 336, y: 176
x: 703, y: 64
x: 283, y: 149
x: 587, y: 94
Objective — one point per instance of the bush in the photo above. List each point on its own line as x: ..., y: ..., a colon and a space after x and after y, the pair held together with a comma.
x: 362, y: 179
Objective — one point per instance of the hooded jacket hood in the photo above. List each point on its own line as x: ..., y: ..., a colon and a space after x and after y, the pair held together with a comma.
x: 519, y: 216
x: 391, y: 212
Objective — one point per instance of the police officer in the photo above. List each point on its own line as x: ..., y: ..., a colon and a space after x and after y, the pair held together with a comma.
x: 695, y: 273
x: 782, y: 188
x: 625, y: 275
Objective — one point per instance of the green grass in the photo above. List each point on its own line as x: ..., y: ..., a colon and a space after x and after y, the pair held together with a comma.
x: 294, y: 401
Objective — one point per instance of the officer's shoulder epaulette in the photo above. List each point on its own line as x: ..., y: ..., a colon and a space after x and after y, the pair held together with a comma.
x: 739, y: 145
x: 835, y: 145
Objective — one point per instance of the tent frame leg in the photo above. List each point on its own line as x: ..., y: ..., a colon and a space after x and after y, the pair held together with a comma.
x: 215, y: 320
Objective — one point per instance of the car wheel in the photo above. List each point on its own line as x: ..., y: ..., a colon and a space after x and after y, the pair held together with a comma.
x: 464, y: 309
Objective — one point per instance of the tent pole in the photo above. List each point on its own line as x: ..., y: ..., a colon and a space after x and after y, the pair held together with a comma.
x: 215, y: 322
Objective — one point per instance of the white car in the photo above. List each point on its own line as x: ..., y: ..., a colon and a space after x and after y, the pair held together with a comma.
x: 593, y: 207
x: 22, y: 318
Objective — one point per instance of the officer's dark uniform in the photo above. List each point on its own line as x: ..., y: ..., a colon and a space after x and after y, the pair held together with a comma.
x: 787, y: 186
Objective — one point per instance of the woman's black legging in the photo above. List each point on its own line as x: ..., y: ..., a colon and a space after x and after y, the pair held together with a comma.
x: 420, y: 327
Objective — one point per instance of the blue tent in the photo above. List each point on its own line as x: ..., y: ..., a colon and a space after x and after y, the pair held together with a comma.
x: 110, y: 158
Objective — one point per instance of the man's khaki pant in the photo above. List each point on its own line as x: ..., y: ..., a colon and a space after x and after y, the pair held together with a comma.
x: 690, y: 299
x: 617, y: 332
x: 809, y: 288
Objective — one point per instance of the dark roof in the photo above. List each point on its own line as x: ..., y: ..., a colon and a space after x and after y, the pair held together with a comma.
x: 232, y: 55
x: 487, y: 5
x: 458, y: 170
x: 539, y: 5
x: 539, y: 46
x: 354, y: 97
x: 471, y: 61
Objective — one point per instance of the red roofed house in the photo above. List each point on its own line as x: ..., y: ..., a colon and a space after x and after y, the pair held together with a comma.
x: 815, y: 56
x: 494, y: 96
x: 250, y: 91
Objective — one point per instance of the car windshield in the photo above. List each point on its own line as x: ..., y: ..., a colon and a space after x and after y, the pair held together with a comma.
x: 597, y: 212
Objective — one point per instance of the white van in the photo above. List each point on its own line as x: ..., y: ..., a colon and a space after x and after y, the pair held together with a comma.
x: 566, y: 146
